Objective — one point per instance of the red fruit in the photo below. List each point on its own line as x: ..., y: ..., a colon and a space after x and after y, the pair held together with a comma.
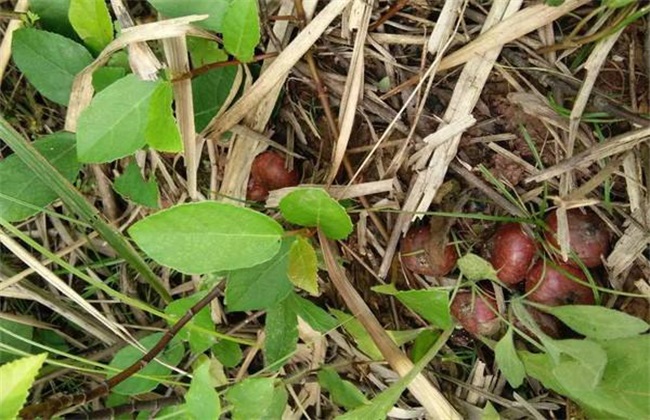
x: 415, y: 250
x: 588, y: 236
x: 255, y: 191
x: 552, y: 285
x: 269, y: 171
x: 476, y: 313
x: 511, y: 253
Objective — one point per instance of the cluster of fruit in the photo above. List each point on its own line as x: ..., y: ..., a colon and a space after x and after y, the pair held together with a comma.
x: 520, y: 263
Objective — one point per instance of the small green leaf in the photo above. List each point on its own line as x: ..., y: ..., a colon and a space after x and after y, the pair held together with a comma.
x: 582, y: 364
x: 475, y: 268
x: 431, y: 304
x: 49, y: 61
x: 241, y: 29
x: 113, y: 125
x: 7, y: 331
x: 251, y: 398
x: 281, y: 332
x: 423, y: 343
x: 132, y: 186
x: 106, y: 76
x: 343, y: 393
x: 312, y: 314
x: 358, y: 333
x: 489, y: 412
x: 205, y: 237
x: 124, y: 358
x: 598, y: 322
x: 209, y: 93
x: 508, y: 361
x: 91, y: 20
x: 16, y: 378
x: 261, y: 286
x: 214, y: 8
x: 303, y: 266
x: 228, y: 353
x: 205, y: 51
x: 202, y: 400
x: 199, y: 341
x: 53, y: 16
x: 162, y: 131
x: 18, y: 184
x: 313, y: 207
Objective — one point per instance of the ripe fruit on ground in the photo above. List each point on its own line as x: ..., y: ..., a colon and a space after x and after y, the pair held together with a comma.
x: 268, y: 172
x: 477, y: 313
x: 419, y: 256
x: 511, y: 253
x: 552, y: 284
x: 588, y: 236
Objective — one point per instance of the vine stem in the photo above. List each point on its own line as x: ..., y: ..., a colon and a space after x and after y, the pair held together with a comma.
x: 53, y: 405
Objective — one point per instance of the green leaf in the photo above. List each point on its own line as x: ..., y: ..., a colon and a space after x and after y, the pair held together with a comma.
x: 91, y: 20
x: 615, y: 4
x: 133, y: 187
x: 261, y: 286
x: 475, y: 268
x: 489, y: 412
x: 18, y: 184
x: 313, y: 207
x: 106, y: 76
x: 209, y: 93
x: 423, y: 343
x: 49, y: 61
x: 53, y: 16
x: 343, y: 393
x: 303, y: 266
x: 431, y: 304
x: 227, y: 352
x: 162, y: 131
x: 124, y: 358
x: 251, y: 398
x: 278, y: 403
x: 113, y: 125
x: 199, y: 341
x: 508, y: 361
x: 199, y: 238
x: 16, y: 378
x: 205, y: 51
x: 312, y: 314
x: 202, y: 400
x: 598, y: 322
x: 582, y: 364
x: 7, y: 331
x: 214, y: 8
x: 281, y: 332
x: 241, y: 29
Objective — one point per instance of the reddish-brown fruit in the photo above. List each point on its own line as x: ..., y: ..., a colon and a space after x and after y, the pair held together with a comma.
x: 588, y: 236
x: 511, y: 253
x: 269, y: 170
x: 553, y: 285
x: 255, y: 191
x: 415, y: 250
x: 476, y: 313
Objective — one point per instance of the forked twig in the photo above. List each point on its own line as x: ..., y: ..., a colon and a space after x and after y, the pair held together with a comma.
x: 53, y: 405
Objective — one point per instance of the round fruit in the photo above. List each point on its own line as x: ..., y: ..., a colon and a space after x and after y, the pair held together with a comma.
x: 588, y: 236
x: 415, y: 250
x: 553, y: 285
x: 511, y: 252
x: 255, y: 191
x: 268, y: 170
x: 476, y: 313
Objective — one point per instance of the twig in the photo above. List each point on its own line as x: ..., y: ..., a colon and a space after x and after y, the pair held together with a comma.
x: 130, y: 408
x: 53, y: 405
x: 204, y: 69
x: 392, y: 11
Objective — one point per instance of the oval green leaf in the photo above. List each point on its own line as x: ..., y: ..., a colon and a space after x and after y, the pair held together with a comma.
x: 598, y: 322
x: 508, y: 361
x: 92, y: 22
x: 303, y: 266
x: 49, y: 61
x: 22, y: 193
x: 475, y: 268
x: 313, y: 207
x: 199, y: 238
x: 114, y: 124
x: 241, y: 29
x: 214, y: 8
